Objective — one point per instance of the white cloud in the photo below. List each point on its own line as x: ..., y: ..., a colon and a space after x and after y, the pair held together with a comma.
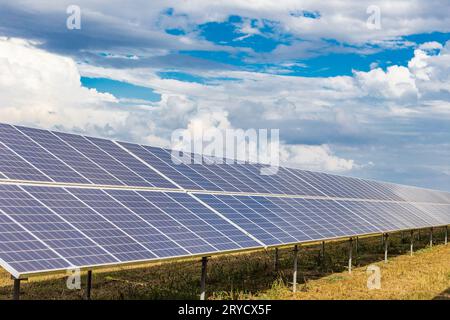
x: 433, y: 45
x: 348, y: 106
x: 44, y: 89
x: 40, y: 88
x: 395, y: 83
x: 342, y: 20
x: 319, y: 158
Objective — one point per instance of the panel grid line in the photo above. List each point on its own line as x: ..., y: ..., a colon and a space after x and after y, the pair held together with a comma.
x: 36, y: 237
x: 62, y: 218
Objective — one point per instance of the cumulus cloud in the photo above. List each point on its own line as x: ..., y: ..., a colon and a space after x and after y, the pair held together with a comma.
x: 43, y: 89
x: 396, y: 82
x: 318, y: 117
x: 140, y: 27
x: 319, y: 158
x: 368, y: 108
x: 37, y: 87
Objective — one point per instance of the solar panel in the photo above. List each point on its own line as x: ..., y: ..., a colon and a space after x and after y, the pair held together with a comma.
x: 51, y: 229
x: 441, y: 212
x: 20, y: 251
x: 151, y: 177
x: 344, y: 187
x: 84, y: 166
x: 255, y: 224
x: 98, y: 161
x: 123, y: 174
x: 382, y: 217
x: 38, y: 157
x: 173, y: 217
x: 95, y: 226
x: 127, y: 220
x: 54, y: 228
x: 444, y: 195
x: 16, y: 168
x: 134, y: 203
x: 414, y: 194
x: 289, y: 220
x: 174, y: 173
x: 220, y: 177
x: 420, y: 218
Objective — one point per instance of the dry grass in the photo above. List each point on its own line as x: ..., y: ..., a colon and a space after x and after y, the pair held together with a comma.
x: 251, y: 276
x: 424, y: 276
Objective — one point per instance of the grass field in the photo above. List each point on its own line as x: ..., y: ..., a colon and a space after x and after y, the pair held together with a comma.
x: 426, y: 275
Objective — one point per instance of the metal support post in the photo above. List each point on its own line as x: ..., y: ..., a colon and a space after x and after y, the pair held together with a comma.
x: 323, y: 249
x: 276, y: 262
x: 431, y: 237
x: 350, y: 253
x: 412, y: 243
x: 16, y: 289
x: 386, y: 248
x: 203, y: 279
x: 88, y: 284
x: 294, y: 277
x: 446, y: 235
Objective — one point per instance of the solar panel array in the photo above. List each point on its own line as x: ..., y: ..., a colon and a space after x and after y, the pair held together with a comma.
x: 74, y: 201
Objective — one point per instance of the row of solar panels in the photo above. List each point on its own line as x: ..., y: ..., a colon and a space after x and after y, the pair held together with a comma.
x: 44, y: 156
x: 48, y: 228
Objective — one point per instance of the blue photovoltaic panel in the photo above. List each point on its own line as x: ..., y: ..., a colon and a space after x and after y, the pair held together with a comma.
x: 15, y: 168
x: 439, y: 211
x: 325, y: 216
x: 177, y: 222
x: 413, y: 194
x: 208, y: 175
x: 288, y: 220
x: 266, y: 209
x: 51, y: 229
x: 166, y: 169
x: 247, y: 219
x: 85, y: 167
x: 253, y: 178
x: 129, y: 222
x: 93, y: 225
x: 37, y: 156
x: 423, y: 217
x: 124, y: 175
x: 218, y: 223
x: 162, y: 220
x: 386, y: 193
x: 343, y: 187
x: 182, y: 174
x: 55, y: 227
x: 151, y: 177
x: 22, y: 252
x: 377, y: 214
x: 401, y: 211
x: 292, y: 185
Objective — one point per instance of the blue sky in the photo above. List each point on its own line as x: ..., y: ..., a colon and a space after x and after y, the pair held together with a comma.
x: 348, y: 98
